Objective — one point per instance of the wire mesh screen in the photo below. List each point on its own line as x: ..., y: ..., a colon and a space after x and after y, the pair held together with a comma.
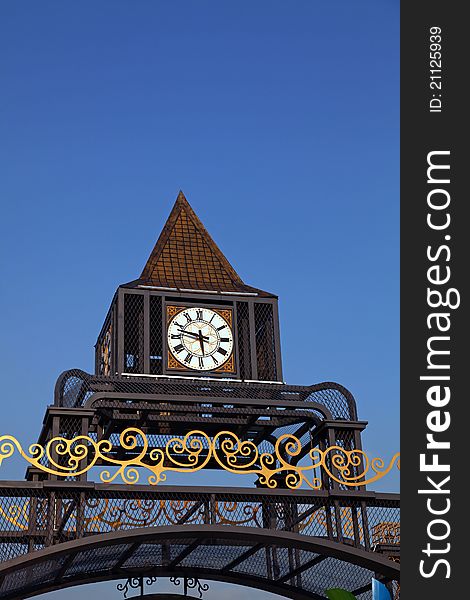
x: 33, y: 517
x: 156, y: 341
x: 265, y: 343
x: 244, y: 350
x: 133, y: 333
x: 105, y: 352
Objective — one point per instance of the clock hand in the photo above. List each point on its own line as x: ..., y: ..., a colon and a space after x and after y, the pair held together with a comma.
x: 194, y: 335
x: 201, y: 341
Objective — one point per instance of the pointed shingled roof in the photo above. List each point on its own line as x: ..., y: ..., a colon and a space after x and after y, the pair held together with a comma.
x: 187, y: 258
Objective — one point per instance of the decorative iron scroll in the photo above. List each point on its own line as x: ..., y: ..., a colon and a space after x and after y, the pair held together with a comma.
x: 191, y: 583
x: 134, y: 583
x: 63, y: 457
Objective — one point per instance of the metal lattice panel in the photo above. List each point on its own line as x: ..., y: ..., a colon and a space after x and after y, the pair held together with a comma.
x: 133, y: 333
x: 81, y: 511
x: 145, y: 556
x: 102, y: 559
x: 31, y: 577
x: 76, y: 510
x: 265, y: 342
x: 105, y: 348
x: 244, y: 348
x: 155, y: 341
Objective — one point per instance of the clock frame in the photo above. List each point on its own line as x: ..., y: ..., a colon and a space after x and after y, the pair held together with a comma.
x: 228, y: 368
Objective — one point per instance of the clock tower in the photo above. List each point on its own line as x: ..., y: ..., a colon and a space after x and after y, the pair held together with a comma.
x: 189, y: 314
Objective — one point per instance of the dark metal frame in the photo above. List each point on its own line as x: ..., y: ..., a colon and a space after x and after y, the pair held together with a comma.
x: 293, y: 509
x: 213, y: 406
x: 177, y: 387
x: 200, y: 534
x: 116, y: 314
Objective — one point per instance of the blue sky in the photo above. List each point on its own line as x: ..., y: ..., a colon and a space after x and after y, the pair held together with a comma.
x: 280, y: 123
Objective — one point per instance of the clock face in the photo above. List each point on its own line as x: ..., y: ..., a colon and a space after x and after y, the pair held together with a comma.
x: 200, y: 339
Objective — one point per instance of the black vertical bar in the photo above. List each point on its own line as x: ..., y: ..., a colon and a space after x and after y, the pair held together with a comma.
x: 80, y: 528
x: 357, y: 445
x: 254, y: 354
x: 325, y: 478
x: 146, y: 333
x: 54, y: 434
x: 32, y: 521
x: 331, y: 441
x: 114, y: 339
x: 51, y: 521
x: 339, y: 521
x: 141, y: 335
x: 267, y: 509
x: 277, y: 341
x: 365, y: 525
x: 84, y: 432
x: 120, y: 332
x: 434, y: 281
x: 357, y: 537
x: 329, y: 521
x: 164, y: 337
x: 97, y: 351
x: 212, y: 509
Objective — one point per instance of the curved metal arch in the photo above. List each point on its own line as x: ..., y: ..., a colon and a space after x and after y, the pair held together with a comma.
x: 242, y: 579
x: 371, y: 561
x: 85, y: 391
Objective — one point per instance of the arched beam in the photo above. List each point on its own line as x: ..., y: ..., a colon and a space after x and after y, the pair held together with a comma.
x: 202, y: 533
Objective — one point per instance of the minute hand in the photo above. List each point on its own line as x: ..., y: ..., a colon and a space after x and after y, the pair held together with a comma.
x: 194, y: 335
x: 201, y: 342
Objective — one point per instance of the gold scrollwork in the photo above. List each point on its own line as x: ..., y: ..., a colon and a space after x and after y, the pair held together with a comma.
x: 226, y: 314
x: 234, y: 513
x: 171, y: 311
x: 17, y: 515
x: 72, y: 457
x: 104, y: 514
x: 139, y: 512
x: 386, y: 532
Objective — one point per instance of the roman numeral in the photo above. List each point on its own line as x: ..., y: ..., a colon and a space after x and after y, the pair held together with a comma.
x: 212, y: 318
x: 221, y: 327
x: 201, y: 363
x: 179, y: 348
x: 216, y: 362
x: 176, y: 336
x: 188, y: 358
x: 188, y: 317
x: 199, y: 314
x: 225, y: 339
x: 222, y: 351
x: 178, y: 325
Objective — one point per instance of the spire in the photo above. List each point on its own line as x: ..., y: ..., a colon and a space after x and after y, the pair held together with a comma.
x: 187, y: 258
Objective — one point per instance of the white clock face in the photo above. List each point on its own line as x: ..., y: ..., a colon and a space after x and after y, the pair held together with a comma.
x: 200, y: 339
